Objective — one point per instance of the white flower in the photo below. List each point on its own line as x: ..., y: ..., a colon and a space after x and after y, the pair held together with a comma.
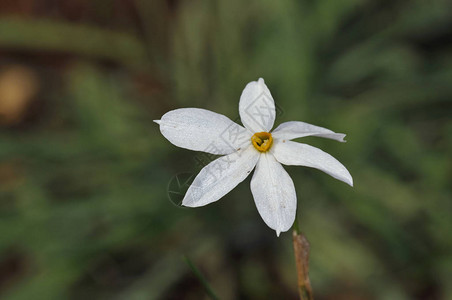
x: 244, y: 148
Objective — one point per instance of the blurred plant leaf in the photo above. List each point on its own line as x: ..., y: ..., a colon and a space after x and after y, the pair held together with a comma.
x: 77, y: 39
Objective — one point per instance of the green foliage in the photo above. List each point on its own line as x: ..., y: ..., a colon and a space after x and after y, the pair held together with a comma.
x: 84, y: 211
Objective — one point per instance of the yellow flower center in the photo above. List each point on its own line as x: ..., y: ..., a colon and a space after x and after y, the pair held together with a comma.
x: 262, y: 141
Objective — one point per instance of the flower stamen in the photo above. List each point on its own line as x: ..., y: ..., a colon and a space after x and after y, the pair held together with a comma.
x: 262, y: 141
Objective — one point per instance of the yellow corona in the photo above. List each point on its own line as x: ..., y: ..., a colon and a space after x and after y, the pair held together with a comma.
x: 262, y: 141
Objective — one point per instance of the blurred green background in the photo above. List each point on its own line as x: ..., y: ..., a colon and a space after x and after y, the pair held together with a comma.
x: 85, y: 173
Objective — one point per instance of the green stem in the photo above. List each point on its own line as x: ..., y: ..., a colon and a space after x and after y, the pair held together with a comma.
x: 201, y: 278
x: 296, y: 226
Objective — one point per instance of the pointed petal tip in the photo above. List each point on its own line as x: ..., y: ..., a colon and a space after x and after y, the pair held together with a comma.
x: 157, y: 121
x: 185, y: 203
x: 260, y: 82
x: 278, y: 232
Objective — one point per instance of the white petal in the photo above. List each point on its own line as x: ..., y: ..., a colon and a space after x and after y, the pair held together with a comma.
x: 292, y: 130
x: 257, y: 107
x: 297, y: 154
x: 202, y: 130
x: 274, y: 193
x: 220, y: 176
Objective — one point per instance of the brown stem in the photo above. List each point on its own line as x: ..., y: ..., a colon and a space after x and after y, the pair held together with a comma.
x: 301, y: 251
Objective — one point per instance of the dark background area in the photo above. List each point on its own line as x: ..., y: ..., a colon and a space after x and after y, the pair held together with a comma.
x: 85, y: 173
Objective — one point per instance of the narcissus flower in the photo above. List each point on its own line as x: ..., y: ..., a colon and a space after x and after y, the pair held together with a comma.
x: 249, y: 147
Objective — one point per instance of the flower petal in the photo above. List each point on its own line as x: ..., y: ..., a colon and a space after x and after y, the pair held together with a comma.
x: 292, y: 130
x: 257, y: 107
x: 297, y: 154
x: 220, y: 176
x: 203, y: 130
x: 274, y: 194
